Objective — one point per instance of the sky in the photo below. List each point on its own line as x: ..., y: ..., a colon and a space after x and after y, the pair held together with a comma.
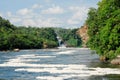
x: 46, y: 13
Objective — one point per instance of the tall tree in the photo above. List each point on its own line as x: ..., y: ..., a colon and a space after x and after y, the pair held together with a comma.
x: 104, y: 28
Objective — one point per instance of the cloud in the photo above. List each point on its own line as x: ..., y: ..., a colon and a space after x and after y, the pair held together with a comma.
x: 50, y: 22
x: 15, y: 20
x: 32, y: 18
x: 29, y: 12
x: 79, y: 14
x: 48, y: 1
x: 53, y: 10
x: 9, y: 14
x: 36, y: 6
x: 48, y: 12
x: 29, y: 22
x: 74, y: 8
x: 24, y: 11
x: 70, y: 21
x: 1, y: 14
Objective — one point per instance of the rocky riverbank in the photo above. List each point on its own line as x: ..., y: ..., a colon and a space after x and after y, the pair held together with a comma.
x: 116, y: 60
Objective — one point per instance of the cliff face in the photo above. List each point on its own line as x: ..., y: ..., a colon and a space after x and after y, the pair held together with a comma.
x: 83, y: 33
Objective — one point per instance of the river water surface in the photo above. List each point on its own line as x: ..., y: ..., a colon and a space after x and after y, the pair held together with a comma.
x: 55, y: 64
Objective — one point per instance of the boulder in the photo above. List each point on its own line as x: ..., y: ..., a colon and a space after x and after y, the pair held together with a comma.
x: 116, y: 60
x: 16, y: 50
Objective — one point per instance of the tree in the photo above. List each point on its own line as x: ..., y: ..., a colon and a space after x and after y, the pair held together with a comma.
x: 25, y: 38
x: 104, y: 28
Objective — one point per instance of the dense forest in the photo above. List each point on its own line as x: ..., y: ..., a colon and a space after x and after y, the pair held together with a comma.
x: 104, y: 28
x: 22, y: 37
x: 25, y: 37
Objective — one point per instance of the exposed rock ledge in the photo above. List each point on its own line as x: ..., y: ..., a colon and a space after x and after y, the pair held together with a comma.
x: 83, y: 33
x: 116, y: 61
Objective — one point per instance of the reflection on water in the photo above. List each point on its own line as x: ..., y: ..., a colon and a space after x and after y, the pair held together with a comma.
x: 55, y: 64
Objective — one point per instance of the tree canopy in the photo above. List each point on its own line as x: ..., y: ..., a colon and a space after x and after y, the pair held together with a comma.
x: 25, y: 37
x: 22, y: 37
x: 104, y: 28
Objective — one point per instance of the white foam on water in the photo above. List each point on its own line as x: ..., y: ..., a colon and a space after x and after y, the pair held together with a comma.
x: 83, y: 74
x: 61, y: 77
x: 20, y: 60
x: 71, y: 69
x: 64, y: 71
x: 26, y: 58
x: 67, y: 52
x: 11, y: 64
x: 49, y: 78
x: 35, y: 56
x: 54, y: 68
x: 83, y: 70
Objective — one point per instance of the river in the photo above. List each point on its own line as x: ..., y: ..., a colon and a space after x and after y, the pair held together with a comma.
x: 55, y: 64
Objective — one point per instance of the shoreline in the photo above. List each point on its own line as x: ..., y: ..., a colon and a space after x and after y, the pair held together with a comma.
x: 116, y: 61
x: 46, y: 48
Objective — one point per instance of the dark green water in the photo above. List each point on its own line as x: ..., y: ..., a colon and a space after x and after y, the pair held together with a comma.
x: 55, y: 64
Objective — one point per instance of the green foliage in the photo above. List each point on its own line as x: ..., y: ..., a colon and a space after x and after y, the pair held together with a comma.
x: 25, y: 38
x: 34, y: 38
x: 104, y: 28
x: 70, y: 37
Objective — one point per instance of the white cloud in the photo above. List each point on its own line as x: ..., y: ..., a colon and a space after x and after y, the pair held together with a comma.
x: 28, y: 11
x: 79, y: 14
x: 15, y: 20
x: 53, y: 10
x: 9, y: 14
x: 28, y: 22
x: 48, y: 1
x: 70, y: 21
x: 43, y: 13
x: 50, y: 22
x: 36, y: 6
x: 74, y: 8
x: 1, y: 14
x: 32, y: 18
x: 24, y: 11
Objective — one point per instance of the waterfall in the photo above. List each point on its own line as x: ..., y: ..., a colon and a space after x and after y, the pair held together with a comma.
x: 61, y: 43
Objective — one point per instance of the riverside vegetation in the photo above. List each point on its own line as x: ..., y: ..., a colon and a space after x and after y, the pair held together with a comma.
x: 104, y: 28
x: 25, y: 37
x: 22, y: 37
